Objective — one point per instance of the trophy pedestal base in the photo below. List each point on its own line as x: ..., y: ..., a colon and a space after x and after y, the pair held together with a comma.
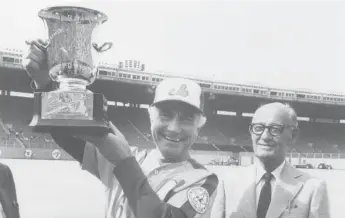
x: 73, y: 111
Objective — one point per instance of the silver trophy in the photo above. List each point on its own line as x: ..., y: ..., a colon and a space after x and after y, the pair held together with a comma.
x: 70, y: 58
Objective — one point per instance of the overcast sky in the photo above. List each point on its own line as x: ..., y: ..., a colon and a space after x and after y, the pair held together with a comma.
x: 292, y: 44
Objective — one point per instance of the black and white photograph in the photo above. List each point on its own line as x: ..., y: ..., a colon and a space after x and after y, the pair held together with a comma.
x: 172, y: 109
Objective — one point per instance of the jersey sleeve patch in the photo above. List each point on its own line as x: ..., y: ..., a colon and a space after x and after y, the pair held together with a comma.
x: 199, y: 199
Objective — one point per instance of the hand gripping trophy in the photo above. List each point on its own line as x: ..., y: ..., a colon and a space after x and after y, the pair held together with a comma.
x: 70, y: 62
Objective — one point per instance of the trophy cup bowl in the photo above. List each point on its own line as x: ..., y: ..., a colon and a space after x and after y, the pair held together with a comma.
x: 70, y: 54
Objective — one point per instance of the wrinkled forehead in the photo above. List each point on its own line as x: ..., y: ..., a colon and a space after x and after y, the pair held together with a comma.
x: 177, y: 107
x: 272, y: 115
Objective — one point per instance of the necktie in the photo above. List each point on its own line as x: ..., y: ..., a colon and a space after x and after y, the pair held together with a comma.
x: 265, y: 196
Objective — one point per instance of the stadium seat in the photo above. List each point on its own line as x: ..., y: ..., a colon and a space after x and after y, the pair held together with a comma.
x: 220, y: 133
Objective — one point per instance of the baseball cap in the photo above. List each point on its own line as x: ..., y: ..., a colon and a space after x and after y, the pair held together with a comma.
x: 182, y: 90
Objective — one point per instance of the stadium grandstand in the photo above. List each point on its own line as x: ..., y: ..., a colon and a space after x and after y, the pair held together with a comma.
x: 224, y: 139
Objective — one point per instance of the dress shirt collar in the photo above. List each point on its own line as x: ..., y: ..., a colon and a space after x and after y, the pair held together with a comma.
x: 260, y: 171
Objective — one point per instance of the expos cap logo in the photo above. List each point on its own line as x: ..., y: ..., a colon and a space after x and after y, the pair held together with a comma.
x: 181, y: 91
x: 56, y: 154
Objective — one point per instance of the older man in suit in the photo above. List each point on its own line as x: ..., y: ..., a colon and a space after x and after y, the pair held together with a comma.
x: 8, y: 196
x: 271, y: 187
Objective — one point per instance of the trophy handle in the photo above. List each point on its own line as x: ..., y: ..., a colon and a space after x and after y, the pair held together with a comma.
x: 105, y: 47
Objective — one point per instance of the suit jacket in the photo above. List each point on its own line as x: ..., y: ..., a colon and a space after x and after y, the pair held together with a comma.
x: 297, y: 194
x: 8, y: 195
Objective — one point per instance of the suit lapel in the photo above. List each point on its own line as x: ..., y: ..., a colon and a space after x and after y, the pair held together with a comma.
x: 286, y: 190
x: 247, y: 204
x: 4, y: 200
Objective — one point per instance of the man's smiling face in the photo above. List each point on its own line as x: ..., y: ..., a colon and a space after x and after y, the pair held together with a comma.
x: 270, y: 143
x: 174, y: 127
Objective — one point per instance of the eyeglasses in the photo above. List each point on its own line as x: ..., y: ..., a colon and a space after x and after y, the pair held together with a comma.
x: 274, y: 130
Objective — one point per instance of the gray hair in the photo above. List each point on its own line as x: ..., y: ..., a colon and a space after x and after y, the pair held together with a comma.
x: 284, y: 106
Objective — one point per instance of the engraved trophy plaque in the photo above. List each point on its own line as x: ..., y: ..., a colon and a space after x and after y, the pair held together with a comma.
x: 70, y: 54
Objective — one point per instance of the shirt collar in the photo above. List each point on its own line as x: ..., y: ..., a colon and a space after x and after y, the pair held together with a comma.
x: 260, y: 171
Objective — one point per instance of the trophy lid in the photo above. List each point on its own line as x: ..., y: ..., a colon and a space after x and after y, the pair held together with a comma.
x: 73, y: 14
